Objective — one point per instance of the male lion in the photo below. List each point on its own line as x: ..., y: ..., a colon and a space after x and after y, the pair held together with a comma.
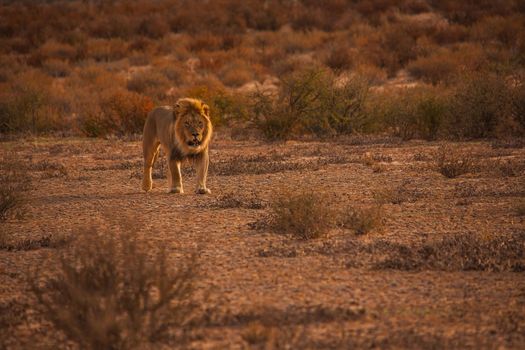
x: 184, y: 132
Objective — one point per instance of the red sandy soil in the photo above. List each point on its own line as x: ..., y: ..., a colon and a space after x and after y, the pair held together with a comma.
x: 322, y: 293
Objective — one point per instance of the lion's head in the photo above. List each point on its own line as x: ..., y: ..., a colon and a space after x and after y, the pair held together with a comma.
x: 192, y: 125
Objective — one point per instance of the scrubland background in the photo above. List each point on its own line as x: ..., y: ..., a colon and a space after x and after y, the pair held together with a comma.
x: 411, y: 68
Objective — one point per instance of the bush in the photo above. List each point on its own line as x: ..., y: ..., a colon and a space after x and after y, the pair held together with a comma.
x: 410, y: 113
x: 314, y: 102
x: 120, y: 112
x: 362, y: 220
x: 452, y: 163
x: 149, y: 82
x: 27, y: 104
x: 305, y: 215
x: 479, y: 105
x: 111, y: 292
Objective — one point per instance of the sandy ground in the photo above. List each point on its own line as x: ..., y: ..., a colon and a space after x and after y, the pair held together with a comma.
x: 323, y: 293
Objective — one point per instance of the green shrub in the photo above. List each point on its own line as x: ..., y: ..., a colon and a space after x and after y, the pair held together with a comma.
x: 410, y: 113
x: 312, y: 101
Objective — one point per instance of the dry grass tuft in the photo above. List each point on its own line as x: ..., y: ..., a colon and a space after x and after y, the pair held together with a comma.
x: 305, y: 215
x: 111, y: 292
x: 452, y: 163
x: 362, y: 220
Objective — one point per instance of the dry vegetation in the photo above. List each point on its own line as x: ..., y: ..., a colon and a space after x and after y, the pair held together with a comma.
x: 97, y: 68
x: 110, y: 293
x: 389, y: 214
x: 301, y: 244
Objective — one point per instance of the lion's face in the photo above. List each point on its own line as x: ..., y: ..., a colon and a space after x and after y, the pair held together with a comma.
x: 194, y: 128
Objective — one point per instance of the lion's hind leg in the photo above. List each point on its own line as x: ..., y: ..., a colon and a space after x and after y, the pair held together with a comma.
x: 151, y: 153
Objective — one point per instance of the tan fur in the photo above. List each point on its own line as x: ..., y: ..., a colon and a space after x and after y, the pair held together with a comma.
x: 183, y: 131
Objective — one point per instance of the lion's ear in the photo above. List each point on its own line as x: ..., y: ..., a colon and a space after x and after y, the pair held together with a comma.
x: 206, y: 109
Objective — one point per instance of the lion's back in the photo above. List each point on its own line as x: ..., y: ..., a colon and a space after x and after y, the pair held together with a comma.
x: 159, y: 122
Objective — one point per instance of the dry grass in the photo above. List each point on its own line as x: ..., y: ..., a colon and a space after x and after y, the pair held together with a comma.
x: 305, y: 215
x: 452, y: 163
x: 458, y: 252
x: 362, y: 220
x: 110, y: 291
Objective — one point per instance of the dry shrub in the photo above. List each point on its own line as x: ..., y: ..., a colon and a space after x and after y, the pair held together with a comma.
x: 305, y: 215
x: 121, y: 112
x: 29, y: 104
x: 479, y: 105
x: 155, y: 26
x: 53, y: 50
x: 362, y: 220
x: 505, y: 30
x: 14, y: 182
x: 339, y: 58
x: 443, y: 65
x: 460, y: 252
x: 106, y: 50
x: 149, y: 82
x: 56, y: 68
x: 236, y: 73
x: 401, y: 193
x: 110, y: 291
x: 453, y: 163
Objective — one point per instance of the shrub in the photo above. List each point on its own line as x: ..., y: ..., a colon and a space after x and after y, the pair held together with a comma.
x: 452, y: 163
x: 106, y: 50
x: 479, y: 104
x: 362, y: 220
x: 312, y: 101
x: 236, y: 74
x: 410, y: 113
x: 116, y: 112
x: 149, y: 82
x: 305, y: 215
x: 111, y: 292
x: 28, y: 104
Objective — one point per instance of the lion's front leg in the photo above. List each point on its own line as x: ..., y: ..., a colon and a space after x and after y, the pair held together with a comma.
x: 202, y: 161
x: 174, y: 177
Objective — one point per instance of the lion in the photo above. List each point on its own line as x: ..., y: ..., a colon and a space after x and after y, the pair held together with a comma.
x: 184, y: 132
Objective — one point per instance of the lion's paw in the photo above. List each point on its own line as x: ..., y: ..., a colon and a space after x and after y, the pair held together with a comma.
x: 147, y: 186
x: 175, y: 190
x: 203, y: 191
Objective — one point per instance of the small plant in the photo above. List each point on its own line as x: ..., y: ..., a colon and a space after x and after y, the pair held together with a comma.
x: 305, y: 215
x: 110, y: 292
x: 452, y: 163
x: 362, y: 220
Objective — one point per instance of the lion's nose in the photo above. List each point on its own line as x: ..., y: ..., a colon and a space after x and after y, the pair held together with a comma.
x: 195, y: 134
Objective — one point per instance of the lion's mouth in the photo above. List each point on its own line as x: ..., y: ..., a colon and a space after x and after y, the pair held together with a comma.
x: 194, y: 143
